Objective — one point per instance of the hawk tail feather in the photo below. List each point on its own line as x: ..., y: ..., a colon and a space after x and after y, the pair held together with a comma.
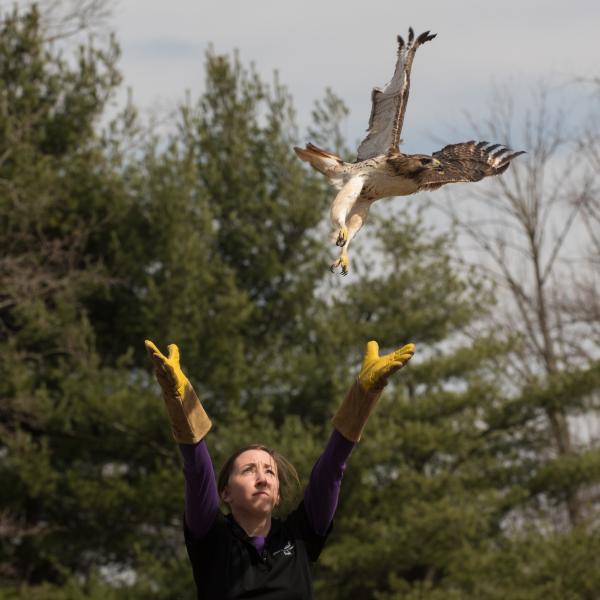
x: 321, y: 160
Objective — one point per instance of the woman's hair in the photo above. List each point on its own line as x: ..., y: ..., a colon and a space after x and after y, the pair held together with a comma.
x: 286, y: 473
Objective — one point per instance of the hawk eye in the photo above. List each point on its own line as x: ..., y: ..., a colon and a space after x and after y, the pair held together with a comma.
x: 425, y: 161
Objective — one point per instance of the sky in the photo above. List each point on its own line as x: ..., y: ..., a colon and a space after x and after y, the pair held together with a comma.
x: 350, y: 46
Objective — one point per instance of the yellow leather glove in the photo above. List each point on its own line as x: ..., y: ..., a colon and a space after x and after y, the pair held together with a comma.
x: 351, y: 417
x: 376, y: 369
x: 189, y: 421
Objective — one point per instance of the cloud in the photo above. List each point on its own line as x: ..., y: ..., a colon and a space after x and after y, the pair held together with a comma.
x: 163, y: 49
x: 350, y: 47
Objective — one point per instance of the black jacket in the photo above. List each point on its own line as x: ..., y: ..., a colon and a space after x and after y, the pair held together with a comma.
x: 227, y: 566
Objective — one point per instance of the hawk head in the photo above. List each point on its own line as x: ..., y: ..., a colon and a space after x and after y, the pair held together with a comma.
x: 416, y: 163
x: 413, y: 165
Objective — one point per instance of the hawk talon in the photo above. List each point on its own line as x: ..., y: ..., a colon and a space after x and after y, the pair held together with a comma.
x: 342, y: 237
x: 343, y: 262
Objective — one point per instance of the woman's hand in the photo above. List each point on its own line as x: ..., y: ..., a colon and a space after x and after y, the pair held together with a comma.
x: 352, y: 415
x: 167, y: 368
x: 376, y: 369
x: 189, y: 421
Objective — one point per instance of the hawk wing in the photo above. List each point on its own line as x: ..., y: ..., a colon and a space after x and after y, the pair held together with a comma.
x: 469, y: 161
x: 389, y: 104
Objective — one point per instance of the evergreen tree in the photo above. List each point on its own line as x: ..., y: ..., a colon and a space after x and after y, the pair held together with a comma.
x: 414, y: 495
x: 213, y: 238
x: 83, y: 465
x: 263, y: 211
x: 101, y: 249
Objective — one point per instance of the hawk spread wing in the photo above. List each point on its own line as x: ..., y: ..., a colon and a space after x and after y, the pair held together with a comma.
x: 381, y: 170
x: 389, y: 104
x: 468, y: 161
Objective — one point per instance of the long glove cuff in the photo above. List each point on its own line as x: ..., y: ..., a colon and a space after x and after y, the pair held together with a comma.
x: 189, y: 421
x: 353, y: 413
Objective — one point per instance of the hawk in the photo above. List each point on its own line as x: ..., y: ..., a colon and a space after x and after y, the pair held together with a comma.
x: 381, y: 170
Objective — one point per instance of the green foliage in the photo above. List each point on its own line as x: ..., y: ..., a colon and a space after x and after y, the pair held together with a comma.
x: 83, y: 463
x: 225, y: 253
x: 415, y: 496
x: 213, y: 238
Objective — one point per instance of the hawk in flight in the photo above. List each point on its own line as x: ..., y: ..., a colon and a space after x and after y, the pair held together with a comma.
x: 381, y: 170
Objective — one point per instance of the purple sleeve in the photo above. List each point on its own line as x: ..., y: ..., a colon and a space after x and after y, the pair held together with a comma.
x: 323, y: 490
x: 201, y: 496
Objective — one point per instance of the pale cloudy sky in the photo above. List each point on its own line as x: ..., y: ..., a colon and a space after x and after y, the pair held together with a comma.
x: 350, y: 46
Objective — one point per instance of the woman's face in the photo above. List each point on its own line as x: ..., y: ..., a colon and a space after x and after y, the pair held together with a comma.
x: 253, y: 485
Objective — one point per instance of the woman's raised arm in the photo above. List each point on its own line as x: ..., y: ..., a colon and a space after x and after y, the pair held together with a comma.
x: 322, y: 492
x: 189, y: 424
x: 323, y: 489
x: 201, y: 496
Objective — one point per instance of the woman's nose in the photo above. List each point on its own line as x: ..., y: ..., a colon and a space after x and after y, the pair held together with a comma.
x: 261, y: 478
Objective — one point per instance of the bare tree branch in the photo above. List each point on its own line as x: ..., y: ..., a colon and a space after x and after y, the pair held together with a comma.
x: 528, y: 227
x: 64, y: 19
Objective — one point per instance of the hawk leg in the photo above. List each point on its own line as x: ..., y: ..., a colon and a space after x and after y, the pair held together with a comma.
x: 342, y: 237
x: 342, y: 206
x: 356, y: 218
x: 342, y: 261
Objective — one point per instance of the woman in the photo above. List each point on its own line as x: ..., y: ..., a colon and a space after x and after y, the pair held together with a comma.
x: 248, y: 553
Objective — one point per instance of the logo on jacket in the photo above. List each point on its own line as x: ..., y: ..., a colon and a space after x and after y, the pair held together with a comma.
x: 287, y: 550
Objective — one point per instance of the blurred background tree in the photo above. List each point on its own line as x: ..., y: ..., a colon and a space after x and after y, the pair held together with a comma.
x: 470, y: 481
x: 535, y: 236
